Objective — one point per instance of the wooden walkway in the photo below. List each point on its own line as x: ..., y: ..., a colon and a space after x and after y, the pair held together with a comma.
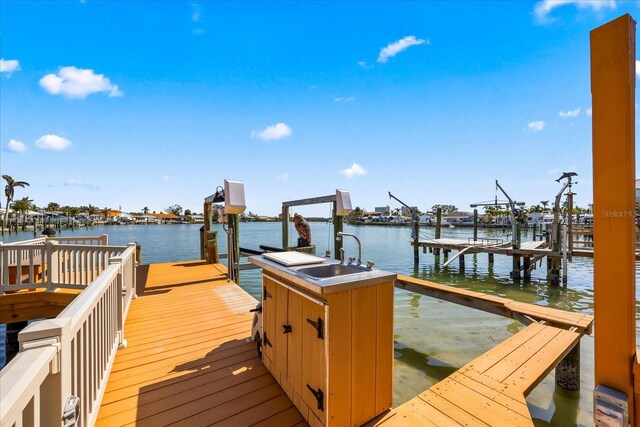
x: 491, y: 389
x: 187, y: 361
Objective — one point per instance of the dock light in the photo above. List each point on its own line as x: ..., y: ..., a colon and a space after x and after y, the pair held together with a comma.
x: 343, y: 203
x: 234, y: 197
x: 218, y: 196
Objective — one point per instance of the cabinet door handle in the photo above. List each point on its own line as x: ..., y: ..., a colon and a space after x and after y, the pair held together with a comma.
x: 265, y: 293
x: 266, y: 340
x: 319, y: 395
x: 319, y: 326
x: 286, y: 329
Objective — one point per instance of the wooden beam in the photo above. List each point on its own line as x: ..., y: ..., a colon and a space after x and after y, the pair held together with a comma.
x: 310, y: 201
x: 613, y: 80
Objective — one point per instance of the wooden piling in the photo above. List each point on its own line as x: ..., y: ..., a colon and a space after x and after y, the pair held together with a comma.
x: 416, y: 241
x: 527, y: 267
x: 475, y: 225
x: 515, y: 271
x: 490, y: 259
x: 568, y: 370
x: 337, y: 228
x: 212, y: 254
x: 461, y: 262
x: 285, y: 227
x: 436, y: 251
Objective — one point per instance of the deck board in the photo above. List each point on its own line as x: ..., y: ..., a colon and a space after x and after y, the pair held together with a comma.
x: 187, y: 361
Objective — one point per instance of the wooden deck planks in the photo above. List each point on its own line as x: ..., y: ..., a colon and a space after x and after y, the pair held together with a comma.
x: 187, y: 361
x: 491, y: 389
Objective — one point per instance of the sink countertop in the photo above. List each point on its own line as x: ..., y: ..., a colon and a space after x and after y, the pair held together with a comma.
x: 325, y: 285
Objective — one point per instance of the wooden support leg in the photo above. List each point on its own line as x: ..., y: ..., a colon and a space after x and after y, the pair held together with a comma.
x: 568, y: 370
x: 491, y: 259
x: 461, y: 262
x: 555, y: 271
x: 424, y: 250
x: 436, y: 251
x: 515, y: 272
x: 527, y: 267
x: 446, y: 253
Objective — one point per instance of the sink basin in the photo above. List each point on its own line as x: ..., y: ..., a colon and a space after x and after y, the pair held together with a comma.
x: 329, y: 270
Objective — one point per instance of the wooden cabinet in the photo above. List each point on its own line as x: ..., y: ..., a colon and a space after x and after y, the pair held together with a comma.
x: 331, y: 353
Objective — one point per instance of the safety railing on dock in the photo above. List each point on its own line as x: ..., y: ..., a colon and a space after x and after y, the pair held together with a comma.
x: 54, y: 263
x: 60, y: 374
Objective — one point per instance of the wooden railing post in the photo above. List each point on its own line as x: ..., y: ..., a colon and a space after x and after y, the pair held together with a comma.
x: 134, y: 247
x: 122, y: 343
x: 57, y: 386
x: 52, y: 265
x: 104, y: 238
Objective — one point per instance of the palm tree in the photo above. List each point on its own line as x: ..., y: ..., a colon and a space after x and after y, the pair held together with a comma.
x: 9, y: 190
x: 544, y: 204
x: 23, y: 206
x: 145, y: 210
x: 105, y: 213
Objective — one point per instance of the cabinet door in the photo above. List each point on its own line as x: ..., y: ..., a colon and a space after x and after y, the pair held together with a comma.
x: 268, y: 321
x: 280, y: 334
x: 314, y: 392
x: 294, y: 349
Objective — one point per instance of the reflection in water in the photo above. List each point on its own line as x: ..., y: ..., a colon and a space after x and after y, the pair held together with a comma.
x: 433, y: 368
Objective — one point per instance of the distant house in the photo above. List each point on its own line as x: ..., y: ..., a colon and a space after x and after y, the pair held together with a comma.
x: 197, y: 218
x: 637, y: 190
x: 166, y: 218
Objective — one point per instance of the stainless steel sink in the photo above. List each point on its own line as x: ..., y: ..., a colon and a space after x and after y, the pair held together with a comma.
x: 329, y: 270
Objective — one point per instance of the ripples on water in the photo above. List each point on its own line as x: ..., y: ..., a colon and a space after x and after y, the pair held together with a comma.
x: 433, y: 338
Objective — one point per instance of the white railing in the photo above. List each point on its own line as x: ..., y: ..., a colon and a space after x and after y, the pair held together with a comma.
x: 68, y: 359
x: 102, y: 240
x: 53, y: 264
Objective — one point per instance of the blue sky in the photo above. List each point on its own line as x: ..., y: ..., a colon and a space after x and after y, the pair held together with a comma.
x: 145, y: 103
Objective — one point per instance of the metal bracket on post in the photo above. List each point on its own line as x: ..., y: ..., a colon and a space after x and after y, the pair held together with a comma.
x: 71, y: 411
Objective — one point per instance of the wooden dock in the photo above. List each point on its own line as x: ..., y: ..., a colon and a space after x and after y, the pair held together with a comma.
x: 188, y: 362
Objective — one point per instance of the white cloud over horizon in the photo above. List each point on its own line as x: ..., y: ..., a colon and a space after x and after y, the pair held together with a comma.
x: 273, y: 132
x: 73, y: 82
x: 72, y: 182
x: 536, y: 126
x: 16, y: 146
x: 9, y: 66
x: 569, y: 114
x: 354, y: 170
x: 52, y: 142
x: 392, y: 49
x: 543, y: 9
x: 283, y: 177
x: 347, y: 99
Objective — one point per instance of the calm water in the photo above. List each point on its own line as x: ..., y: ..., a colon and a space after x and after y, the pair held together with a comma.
x: 432, y: 338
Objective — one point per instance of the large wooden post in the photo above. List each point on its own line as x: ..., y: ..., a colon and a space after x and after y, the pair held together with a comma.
x: 285, y: 227
x: 475, y: 225
x: 416, y: 240
x: 436, y: 251
x: 613, y: 80
x: 337, y: 228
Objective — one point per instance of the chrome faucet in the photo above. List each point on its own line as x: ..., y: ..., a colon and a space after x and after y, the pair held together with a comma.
x: 340, y: 233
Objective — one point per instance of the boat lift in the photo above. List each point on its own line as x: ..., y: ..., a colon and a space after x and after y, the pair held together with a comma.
x: 415, y: 227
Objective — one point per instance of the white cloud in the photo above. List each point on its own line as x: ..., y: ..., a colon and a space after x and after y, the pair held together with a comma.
x: 52, y: 142
x: 72, y: 182
x: 637, y: 68
x: 363, y: 64
x: 283, y: 177
x: 9, y: 66
x: 588, y: 112
x: 277, y: 131
x: 536, y: 126
x: 543, y: 8
x: 75, y: 82
x: 354, y: 170
x: 16, y: 146
x: 396, y: 47
x: 569, y: 114
x: 197, y: 12
x: 348, y: 99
